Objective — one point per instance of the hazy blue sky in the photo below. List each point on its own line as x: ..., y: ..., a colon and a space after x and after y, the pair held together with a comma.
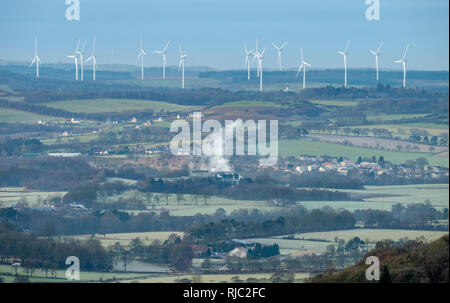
x: 212, y: 31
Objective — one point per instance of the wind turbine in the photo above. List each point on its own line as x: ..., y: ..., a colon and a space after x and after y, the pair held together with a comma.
x: 254, y: 57
x: 279, y: 50
x: 260, y: 57
x: 163, y: 53
x: 181, y: 66
x: 81, y: 53
x: 75, y: 58
x: 344, y: 53
x: 377, y: 54
x: 94, y: 61
x: 403, y: 62
x: 141, y: 55
x: 247, y: 61
x: 36, y: 58
x: 303, y: 65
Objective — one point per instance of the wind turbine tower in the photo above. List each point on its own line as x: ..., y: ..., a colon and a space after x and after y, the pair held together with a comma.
x: 403, y: 62
x: 377, y: 54
x: 279, y: 50
x: 303, y: 65
x: 163, y: 53
x: 141, y: 55
x: 36, y: 58
x: 344, y: 53
x: 247, y: 60
x: 75, y: 58
x: 181, y: 66
x: 260, y: 57
x: 93, y: 59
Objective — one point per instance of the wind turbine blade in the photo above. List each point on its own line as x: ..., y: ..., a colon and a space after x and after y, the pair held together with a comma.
x: 348, y: 42
x: 245, y: 48
x: 406, y: 51
x: 274, y: 45
x: 165, y: 47
x: 380, y: 47
x: 301, y: 50
x: 398, y: 61
x: 299, y: 69
x: 93, y: 46
x: 374, y: 53
x: 306, y: 63
x: 39, y: 60
x: 342, y: 53
x: 84, y: 46
x: 285, y: 43
x: 32, y: 62
x: 78, y: 45
x: 262, y: 53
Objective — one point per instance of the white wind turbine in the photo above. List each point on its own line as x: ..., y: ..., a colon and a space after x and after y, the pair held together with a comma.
x: 260, y: 57
x: 303, y: 65
x: 344, y: 53
x: 75, y: 58
x: 181, y: 66
x: 279, y: 50
x: 403, y: 62
x: 94, y: 60
x: 163, y: 53
x: 141, y: 55
x: 81, y: 53
x: 377, y: 54
x: 254, y: 57
x: 247, y: 61
x: 36, y: 58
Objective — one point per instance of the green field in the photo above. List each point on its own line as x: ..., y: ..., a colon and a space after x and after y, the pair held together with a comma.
x: 213, y: 278
x: 405, y: 129
x: 427, y: 125
x: 18, y: 116
x: 373, y: 235
x: 387, y: 117
x: 251, y: 103
x: 293, y: 247
x: 7, y: 273
x: 115, y: 105
x: 299, y: 147
x: 384, y: 197
x: 189, y: 208
x: 124, y: 238
x: 334, y: 102
x: 10, y: 195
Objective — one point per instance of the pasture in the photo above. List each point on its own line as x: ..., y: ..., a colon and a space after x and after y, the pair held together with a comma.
x: 384, y: 197
x: 211, y: 278
x: 124, y: 238
x: 10, y: 195
x: 379, y: 143
x: 297, y: 147
x: 18, y: 116
x: 115, y: 105
x: 7, y: 272
x: 373, y: 235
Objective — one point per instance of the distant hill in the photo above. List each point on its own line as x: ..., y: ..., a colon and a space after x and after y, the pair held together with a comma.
x: 413, y: 262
